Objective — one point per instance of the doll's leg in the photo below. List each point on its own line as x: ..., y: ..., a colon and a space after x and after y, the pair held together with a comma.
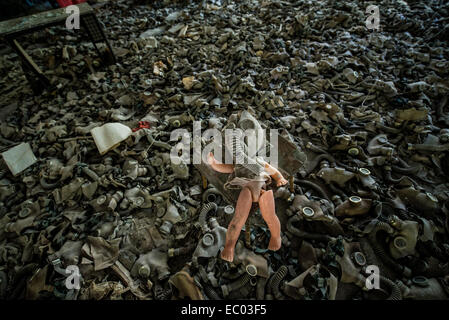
x: 217, y: 166
x: 242, y: 210
x: 266, y: 205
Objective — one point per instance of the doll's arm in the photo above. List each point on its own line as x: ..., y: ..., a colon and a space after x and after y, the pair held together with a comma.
x: 217, y: 166
x: 275, y: 174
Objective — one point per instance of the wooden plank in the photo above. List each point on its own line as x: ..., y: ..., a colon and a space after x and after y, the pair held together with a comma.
x: 39, y: 20
x: 27, y: 58
x: 291, y: 158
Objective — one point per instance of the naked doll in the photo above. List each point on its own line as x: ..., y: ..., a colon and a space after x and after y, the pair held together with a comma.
x: 252, y: 180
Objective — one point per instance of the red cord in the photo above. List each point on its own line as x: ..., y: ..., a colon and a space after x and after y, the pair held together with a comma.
x: 142, y: 125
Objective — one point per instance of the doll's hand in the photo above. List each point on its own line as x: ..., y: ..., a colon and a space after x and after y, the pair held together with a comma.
x: 281, y: 182
x: 210, y: 158
x: 275, y: 174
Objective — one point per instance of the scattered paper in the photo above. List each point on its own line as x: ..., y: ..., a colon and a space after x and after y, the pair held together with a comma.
x: 109, y: 136
x: 19, y: 158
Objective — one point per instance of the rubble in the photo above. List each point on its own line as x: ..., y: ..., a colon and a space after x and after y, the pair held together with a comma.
x: 86, y: 178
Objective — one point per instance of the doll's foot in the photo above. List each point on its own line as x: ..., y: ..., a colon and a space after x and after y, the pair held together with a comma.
x: 227, y: 254
x: 275, y: 244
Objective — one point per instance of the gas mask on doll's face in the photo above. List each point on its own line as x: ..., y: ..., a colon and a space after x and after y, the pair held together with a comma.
x: 244, y: 139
